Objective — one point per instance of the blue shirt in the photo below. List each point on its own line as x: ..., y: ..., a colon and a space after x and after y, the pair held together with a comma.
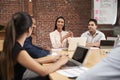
x: 33, y: 50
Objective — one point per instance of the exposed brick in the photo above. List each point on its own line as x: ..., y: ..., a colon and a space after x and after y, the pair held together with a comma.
x: 76, y: 13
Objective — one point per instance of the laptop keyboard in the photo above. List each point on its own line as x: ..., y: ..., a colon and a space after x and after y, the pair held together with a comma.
x: 70, y: 63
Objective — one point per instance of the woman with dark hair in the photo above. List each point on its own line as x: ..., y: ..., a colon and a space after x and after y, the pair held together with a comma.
x: 59, y: 36
x: 14, y: 59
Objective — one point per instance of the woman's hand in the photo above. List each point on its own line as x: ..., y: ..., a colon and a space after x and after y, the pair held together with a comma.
x: 69, y: 34
x: 63, y: 59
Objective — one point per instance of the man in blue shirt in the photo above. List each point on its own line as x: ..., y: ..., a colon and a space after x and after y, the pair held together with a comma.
x: 35, y: 51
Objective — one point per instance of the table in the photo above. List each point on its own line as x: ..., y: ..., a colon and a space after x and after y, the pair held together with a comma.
x: 1, y: 44
x: 93, y: 57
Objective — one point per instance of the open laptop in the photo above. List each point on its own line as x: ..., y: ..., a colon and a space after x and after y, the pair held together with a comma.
x: 78, y: 57
x: 76, y: 41
x: 116, y: 39
x: 107, y: 44
x: 73, y: 67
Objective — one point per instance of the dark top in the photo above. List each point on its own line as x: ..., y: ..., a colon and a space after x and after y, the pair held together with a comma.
x: 33, y: 50
x: 18, y: 68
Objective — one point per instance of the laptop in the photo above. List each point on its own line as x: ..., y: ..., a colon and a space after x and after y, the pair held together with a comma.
x: 107, y: 44
x: 116, y: 39
x: 78, y: 57
x: 76, y: 41
x: 73, y: 67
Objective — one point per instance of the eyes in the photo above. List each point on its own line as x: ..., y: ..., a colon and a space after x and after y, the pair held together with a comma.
x: 60, y: 21
x: 90, y: 24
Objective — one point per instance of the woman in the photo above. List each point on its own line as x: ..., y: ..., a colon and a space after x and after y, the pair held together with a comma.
x: 59, y: 36
x: 14, y: 59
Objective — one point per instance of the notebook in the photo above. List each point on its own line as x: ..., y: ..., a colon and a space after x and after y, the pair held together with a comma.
x: 78, y: 57
x: 76, y: 41
x: 107, y: 44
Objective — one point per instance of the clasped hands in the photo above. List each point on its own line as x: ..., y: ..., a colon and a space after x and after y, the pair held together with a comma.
x: 69, y: 34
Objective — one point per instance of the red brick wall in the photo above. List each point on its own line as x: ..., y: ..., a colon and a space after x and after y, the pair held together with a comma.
x: 75, y: 12
x: 8, y: 7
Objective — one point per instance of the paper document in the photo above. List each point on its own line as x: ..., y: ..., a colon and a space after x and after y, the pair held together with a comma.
x: 54, y: 54
x: 55, y: 50
x: 72, y: 71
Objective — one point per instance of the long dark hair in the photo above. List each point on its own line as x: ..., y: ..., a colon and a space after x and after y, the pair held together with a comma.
x: 18, y: 25
x: 56, y: 23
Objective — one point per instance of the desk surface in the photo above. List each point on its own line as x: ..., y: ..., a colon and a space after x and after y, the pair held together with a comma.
x: 1, y: 45
x: 93, y: 57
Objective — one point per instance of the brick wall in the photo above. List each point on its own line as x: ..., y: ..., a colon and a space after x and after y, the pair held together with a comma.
x: 8, y: 7
x: 75, y: 12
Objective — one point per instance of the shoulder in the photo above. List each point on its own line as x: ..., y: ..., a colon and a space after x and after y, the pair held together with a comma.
x: 53, y: 32
x: 99, y: 32
x: 16, y: 49
x: 85, y: 33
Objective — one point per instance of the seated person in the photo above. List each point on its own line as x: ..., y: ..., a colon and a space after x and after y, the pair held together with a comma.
x: 93, y: 35
x: 106, y: 69
x: 34, y: 51
x: 14, y: 59
x: 59, y: 36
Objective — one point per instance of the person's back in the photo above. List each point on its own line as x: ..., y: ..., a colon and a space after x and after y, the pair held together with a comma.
x: 34, y: 51
x: 107, y: 69
x: 14, y: 59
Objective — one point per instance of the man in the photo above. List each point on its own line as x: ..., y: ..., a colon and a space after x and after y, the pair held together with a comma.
x: 93, y: 35
x: 106, y: 69
x: 35, y: 51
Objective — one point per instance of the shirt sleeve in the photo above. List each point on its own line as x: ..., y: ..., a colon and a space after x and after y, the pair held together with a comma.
x: 103, y: 37
x: 106, y: 69
x: 83, y: 35
x: 35, y: 51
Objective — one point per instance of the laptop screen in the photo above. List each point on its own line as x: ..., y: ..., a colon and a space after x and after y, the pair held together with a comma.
x: 80, y: 54
x: 106, y: 44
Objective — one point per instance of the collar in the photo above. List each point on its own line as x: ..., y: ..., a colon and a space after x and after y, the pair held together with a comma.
x: 96, y: 33
x: 58, y: 32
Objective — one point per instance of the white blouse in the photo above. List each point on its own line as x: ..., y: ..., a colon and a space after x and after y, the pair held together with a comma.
x: 55, y: 39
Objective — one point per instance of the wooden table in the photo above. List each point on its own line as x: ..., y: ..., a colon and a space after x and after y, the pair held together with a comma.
x: 93, y: 57
x: 1, y: 45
